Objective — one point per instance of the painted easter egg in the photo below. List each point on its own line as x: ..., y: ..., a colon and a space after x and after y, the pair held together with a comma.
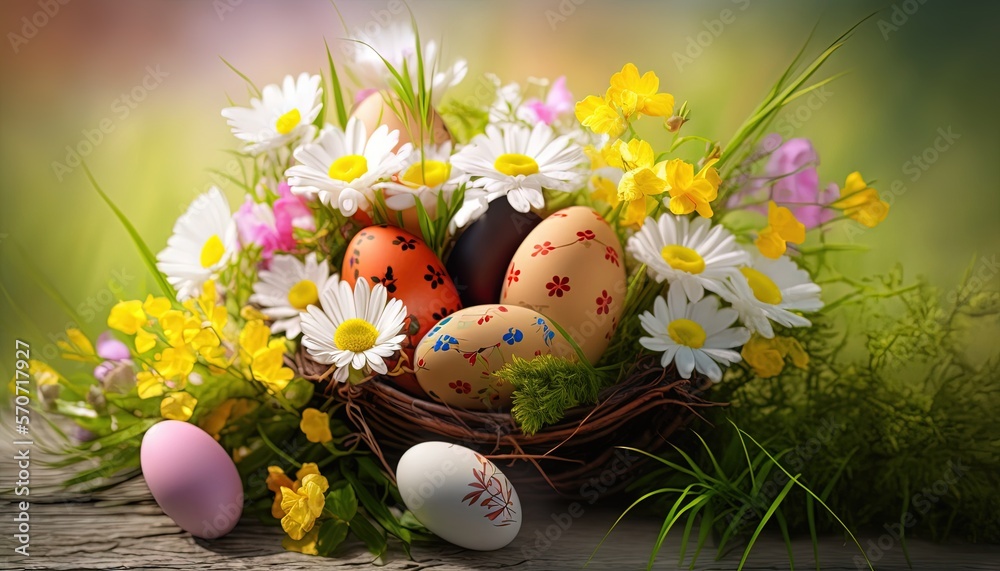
x: 191, y: 478
x: 478, y: 261
x: 411, y: 273
x: 373, y: 111
x: 460, y: 495
x: 457, y: 359
x: 570, y: 270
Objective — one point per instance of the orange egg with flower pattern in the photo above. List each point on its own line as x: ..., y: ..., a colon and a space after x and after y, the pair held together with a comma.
x: 411, y: 273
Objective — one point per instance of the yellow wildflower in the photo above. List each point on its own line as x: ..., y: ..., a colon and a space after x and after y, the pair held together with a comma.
x: 155, y: 306
x: 767, y: 356
x: 860, y: 202
x: 597, y: 115
x: 303, y: 506
x: 643, y: 177
x: 175, y: 363
x: 148, y: 384
x: 277, y: 479
x: 782, y: 227
x: 690, y: 192
x: 178, y: 328
x: 316, y: 425
x: 306, y: 545
x: 635, y: 94
x: 177, y: 406
x: 144, y: 340
x: 127, y: 317
x: 254, y: 337
x: 76, y: 347
x: 251, y: 313
x: 263, y: 357
x: 43, y: 374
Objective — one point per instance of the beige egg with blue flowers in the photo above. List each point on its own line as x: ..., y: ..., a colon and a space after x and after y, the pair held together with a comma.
x: 457, y: 360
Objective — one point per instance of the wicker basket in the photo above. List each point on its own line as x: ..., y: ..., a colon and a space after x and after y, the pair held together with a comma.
x: 641, y: 412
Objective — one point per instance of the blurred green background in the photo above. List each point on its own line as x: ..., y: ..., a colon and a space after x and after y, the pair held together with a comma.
x: 917, y: 69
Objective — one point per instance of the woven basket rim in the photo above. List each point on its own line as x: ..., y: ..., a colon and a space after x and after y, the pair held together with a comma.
x: 387, y: 419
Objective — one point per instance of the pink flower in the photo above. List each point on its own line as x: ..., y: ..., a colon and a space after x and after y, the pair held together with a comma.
x: 790, y: 177
x: 558, y: 101
x: 291, y: 212
x: 110, y: 348
x: 273, y: 228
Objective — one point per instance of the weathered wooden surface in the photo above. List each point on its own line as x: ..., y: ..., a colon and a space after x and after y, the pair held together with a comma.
x: 122, y: 528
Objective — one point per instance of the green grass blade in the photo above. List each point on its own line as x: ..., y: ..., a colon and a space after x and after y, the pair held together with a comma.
x: 338, y: 92
x: 643, y: 498
x: 783, y: 526
x: 284, y: 456
x: 250, y: 84
x: 817, y: 498
x: 147, y: 255
x: 763, y: 521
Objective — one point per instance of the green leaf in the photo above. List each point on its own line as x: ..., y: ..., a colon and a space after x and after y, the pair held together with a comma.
x: 373, y: 539
x: 147, y: 255
x: 332, y: 533
x: 376, y: 507
x: 342, y: 503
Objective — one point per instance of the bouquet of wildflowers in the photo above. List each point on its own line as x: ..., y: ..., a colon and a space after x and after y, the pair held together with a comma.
x: 723, y: 248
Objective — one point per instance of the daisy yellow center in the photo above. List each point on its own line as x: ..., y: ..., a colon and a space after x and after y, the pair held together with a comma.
x: 355, y: 335
x: 683, y: 258
x: 427, y: 173
x: 764, y: 289
x: 686, y: 332
x: 303, y: 294
x: 288, y: 121
x: 212, y: 251
x: 513, y: 164
x: 348, y: 167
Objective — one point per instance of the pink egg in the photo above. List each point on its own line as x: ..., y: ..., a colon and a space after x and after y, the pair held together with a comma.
x: 192, y: 478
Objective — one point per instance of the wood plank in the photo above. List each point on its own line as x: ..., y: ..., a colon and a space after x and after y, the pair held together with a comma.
x: 107, y: 533
x: 122, y: 528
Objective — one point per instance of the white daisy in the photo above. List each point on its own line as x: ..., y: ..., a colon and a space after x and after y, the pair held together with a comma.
x: 690, y: 256
x: 427, y: 173
x: 397, y: 43
x: 354, y: 329
x: 203, y: 242
x: 287, y: 288
x: 281, y: 115
x: 343, y: 167
x: 518, y: 162
x: 770, y: 290
x: 696, y: 336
